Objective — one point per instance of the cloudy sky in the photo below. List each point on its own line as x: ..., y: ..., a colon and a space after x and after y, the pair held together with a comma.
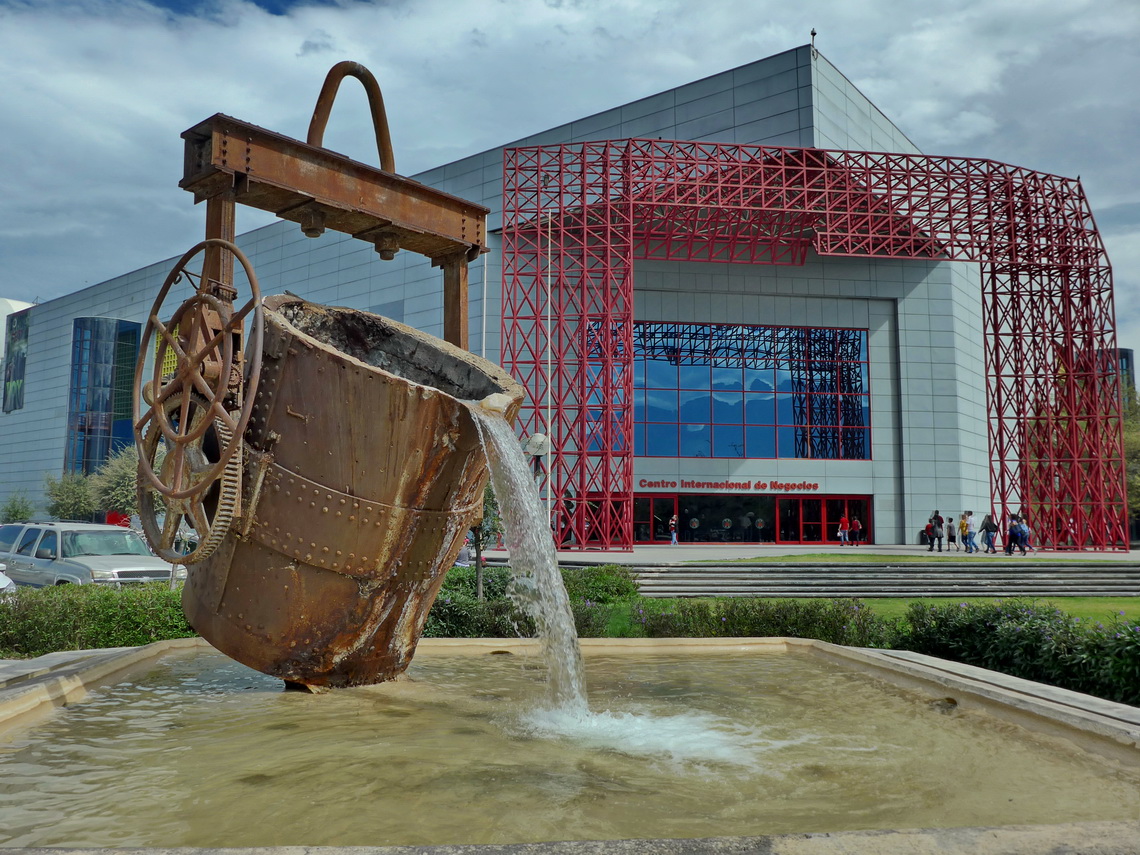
x: 94, y: 95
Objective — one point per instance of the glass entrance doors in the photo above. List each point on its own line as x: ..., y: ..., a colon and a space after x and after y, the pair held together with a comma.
x: 651, y: 515
x: 816, y: 520
x: 728, y: 518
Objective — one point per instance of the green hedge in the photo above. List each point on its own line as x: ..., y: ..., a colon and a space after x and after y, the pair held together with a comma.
x: 1035, y: 641
x: 78, y: 617
x: 1019, y: 637
x: 837, y: 621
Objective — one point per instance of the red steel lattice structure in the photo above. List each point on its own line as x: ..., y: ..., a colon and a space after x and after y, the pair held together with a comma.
x: 577, y: 216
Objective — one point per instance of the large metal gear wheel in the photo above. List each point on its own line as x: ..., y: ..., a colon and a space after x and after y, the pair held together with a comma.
x: 191, y: 380
x: 212, y: 501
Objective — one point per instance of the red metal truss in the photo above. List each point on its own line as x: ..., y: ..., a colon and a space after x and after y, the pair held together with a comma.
x: 577, y: 216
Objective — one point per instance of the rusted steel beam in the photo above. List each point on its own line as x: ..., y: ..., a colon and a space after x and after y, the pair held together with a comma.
x: 455, y: 299
x: 321, y: 189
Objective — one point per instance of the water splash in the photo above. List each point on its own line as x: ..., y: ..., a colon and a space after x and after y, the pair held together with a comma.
x: 538, y: 588
x: 693, y: 740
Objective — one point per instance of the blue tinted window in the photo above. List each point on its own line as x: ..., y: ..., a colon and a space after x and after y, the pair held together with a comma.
x: 660, y: 374
x: 728, y: 441
x: 661, y: 405
x: 728, y: 408
x: 694, y: 377
x: 730, y: 379
x: 696, y: 440
x: 694, y: 406
x: 717, y: 389
x: 760, y: 441
x: 786, y: 410
x: 759, y: 379
x: 786, y: 442
x: 759, y: 409
x: 661, y: 440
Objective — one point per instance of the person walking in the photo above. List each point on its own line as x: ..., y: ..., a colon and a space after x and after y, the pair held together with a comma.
x: 673, y: 530
x: 856, y: 531
x: 844, y: 528
x: 989, y: 531
x: 1027, y: 534
x: 971, y: 533
x: 1014, y: 536
x: 952, y: 534
x: 962, y: 532
x: 937, y: 533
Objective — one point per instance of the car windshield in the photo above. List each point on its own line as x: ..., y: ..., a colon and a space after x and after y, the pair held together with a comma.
x: 126, y: 542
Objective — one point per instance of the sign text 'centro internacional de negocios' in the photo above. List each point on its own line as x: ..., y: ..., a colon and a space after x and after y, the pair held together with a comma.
x: 728, y: 486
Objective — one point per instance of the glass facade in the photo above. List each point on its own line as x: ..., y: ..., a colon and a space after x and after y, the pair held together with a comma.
x: 729, y: 518
x: 103, y: 353
x: 722, y: 390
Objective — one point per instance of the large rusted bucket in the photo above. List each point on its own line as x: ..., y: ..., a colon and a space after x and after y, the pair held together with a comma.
x: 363, y: 473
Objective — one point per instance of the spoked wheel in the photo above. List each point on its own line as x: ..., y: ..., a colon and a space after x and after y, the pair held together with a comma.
x: 187, y: 467
x: 190, y: 434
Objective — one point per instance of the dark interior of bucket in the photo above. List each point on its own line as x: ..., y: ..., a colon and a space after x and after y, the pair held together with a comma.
x: 391, y: 347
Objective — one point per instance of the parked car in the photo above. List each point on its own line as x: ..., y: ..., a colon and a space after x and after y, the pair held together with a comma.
x: 61, y: 553
x: 7, y: 586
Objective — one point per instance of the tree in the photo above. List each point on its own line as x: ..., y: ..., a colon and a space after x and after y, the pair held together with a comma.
x: 69, y: 496
x: 488, y: 530
x: 115, y: 484
x: 18, y: 508
x: 1131, y: 413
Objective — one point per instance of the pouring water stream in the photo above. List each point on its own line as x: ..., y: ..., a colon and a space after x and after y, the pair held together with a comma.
x: 689, y: 737
x: 538, y: 588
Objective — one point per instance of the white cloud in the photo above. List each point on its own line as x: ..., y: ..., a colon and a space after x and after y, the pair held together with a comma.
x: 96, y: 95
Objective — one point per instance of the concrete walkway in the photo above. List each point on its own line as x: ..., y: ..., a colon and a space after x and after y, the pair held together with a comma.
x: 664, y: 555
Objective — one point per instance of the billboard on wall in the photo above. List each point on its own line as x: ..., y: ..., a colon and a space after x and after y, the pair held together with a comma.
x: 15, y: 361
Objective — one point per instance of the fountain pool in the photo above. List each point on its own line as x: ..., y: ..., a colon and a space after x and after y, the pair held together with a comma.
x: 734, y: 739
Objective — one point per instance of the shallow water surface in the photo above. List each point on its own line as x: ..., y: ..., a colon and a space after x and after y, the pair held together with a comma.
x: 205, y: 752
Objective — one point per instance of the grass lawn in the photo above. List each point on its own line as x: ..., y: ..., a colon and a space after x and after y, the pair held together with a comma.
x: 1097, y: 608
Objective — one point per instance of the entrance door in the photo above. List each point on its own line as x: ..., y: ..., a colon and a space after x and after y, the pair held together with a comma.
x: 663, y: 511
x: 651, y: 518
x: 788, y: 511
x: 859, y: 509
x: 816, y: 520
x: 811, y: 513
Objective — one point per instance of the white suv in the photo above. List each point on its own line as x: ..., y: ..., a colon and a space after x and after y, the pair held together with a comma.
x: 60, y: 553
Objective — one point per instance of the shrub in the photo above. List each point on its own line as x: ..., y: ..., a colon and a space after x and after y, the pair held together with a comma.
x: 606, y: 583
x: 69, y: 496
x: 591, y: 619
x: 78, y: 617
x: 458, y: 615
x: 18, y: 508
x: 1112, y: 658
x: 460, y: 581
x: 1034, y: 641
x: 838, y: 621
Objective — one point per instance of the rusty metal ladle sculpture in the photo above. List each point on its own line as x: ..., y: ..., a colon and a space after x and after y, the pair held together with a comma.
x: 331, y: 468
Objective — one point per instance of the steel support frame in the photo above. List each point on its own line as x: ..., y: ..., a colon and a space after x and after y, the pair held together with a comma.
x: 577, y: 216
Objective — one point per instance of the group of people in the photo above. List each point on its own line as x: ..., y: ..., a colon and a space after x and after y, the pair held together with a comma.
x: 963, y: 532
x: 850, y: 530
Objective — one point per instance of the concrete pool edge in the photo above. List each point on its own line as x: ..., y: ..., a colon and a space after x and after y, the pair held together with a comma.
x: 31, y: 689
x: 1088, y: 838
